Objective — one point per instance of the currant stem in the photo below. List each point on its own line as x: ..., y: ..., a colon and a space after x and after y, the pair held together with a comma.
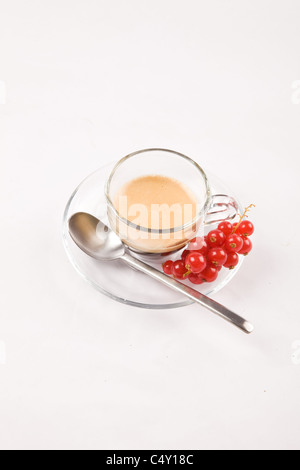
x: 187, y: 273
x: 243, y: 216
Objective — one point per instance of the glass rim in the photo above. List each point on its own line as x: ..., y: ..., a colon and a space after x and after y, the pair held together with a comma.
x: 200, y: 170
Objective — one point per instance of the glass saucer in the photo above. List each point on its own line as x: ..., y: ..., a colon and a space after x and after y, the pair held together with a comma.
x: 114, y: 278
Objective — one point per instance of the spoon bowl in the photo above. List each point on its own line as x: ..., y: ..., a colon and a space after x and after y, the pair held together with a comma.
x: 95, y: 238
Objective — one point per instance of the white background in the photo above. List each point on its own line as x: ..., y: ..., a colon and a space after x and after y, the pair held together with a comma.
x: 87, y: 82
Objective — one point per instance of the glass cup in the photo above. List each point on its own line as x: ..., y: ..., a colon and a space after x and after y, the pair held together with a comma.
x: 159, y: 239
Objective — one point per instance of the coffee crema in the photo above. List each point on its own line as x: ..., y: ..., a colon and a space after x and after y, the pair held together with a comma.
x: 156, y: 203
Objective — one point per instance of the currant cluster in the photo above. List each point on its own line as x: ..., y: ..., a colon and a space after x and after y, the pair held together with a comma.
x: 205, y: 256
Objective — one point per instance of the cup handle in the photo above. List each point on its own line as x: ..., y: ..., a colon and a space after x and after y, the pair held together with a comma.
x: 223, y: 207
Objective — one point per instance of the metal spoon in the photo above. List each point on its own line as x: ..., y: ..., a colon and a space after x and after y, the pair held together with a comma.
x: 101, y: 243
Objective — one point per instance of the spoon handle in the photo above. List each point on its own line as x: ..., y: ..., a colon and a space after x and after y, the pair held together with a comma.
x: 191, y: 293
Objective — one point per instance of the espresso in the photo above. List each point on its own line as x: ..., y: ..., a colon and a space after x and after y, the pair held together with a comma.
x: 155, y: 214
x: 156, y: 202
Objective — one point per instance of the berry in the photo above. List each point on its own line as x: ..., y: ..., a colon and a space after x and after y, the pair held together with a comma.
x: 184, y: 255
x: 246, y: 228
x: 216, y: 238
x: 195, y: 262
x: 226, y: 227
x: 179, y: 270
x: 217, y: 256
x: 195, y: 278
x: 204, y: 248
x: 232, y: 260
x: 196, y: 244
x: 234, y: 243
x: 246, y: 248
x: 168, y: 267
x: 209, y: 274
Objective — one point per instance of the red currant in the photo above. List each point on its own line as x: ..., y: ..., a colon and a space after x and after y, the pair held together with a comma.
x: 216, y: 238
x: 246, y: 248
x: 209, y: 274
x: 234, y: 243
x: 217, y: 256
x: 184, y: 255
x: 226, y: 227
x: 195, y: 278
x: 179, y: 270
x: 232, y: 260
x: 196, y: 244
x: 168, y: 267
x: 204, y: 248
x: 195, y: 262
x: 246, y: 228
